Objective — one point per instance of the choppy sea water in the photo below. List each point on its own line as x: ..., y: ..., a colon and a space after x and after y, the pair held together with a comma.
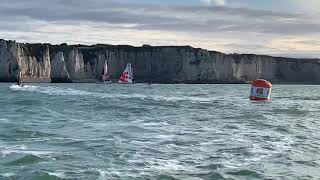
x: 97, y: 131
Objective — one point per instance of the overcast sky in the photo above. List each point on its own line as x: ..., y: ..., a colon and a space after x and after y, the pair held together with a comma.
x: 274, y: 27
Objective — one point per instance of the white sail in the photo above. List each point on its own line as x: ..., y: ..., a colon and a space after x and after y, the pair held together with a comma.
x: 127, y: 75
x: 105, y: 72
x: 106, y: 77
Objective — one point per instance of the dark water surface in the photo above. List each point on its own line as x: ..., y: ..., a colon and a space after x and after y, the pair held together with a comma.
x: 96, y: 131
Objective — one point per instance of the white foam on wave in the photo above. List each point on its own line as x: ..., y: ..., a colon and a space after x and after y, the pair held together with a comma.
x: 168, y: 166
x: 166, y: 98
x: 183, y: 98
x: 165, y: 137
x: 4, y: 120
x: 35, y: 153
x: 22, y: 149
x: 102, y: 175
x: 50, y: 90
x: 7, y: 175
x: 110, y: 173
x: 58, y: 174
x: 116, y: 173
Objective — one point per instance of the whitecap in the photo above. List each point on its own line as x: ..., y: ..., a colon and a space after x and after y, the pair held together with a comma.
x: 58, y: 174
x: 103, y: 175
x: 167, y: 165
x: 7, y: 175
x: 51, y: 90
x: 7, y: 150
x: 4, y: 120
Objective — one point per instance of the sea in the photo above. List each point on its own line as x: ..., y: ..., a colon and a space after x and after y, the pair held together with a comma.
x: 165, y: 132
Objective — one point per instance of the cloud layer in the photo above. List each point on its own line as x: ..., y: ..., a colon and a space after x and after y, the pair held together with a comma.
x: 215, y: 2
x: 222, y: 28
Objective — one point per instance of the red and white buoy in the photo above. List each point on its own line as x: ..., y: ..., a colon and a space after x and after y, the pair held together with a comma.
x: 261, y: 90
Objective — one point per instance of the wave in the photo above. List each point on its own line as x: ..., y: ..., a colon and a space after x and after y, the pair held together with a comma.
x: 249, y: 174
x: 168, y: 177
x: 35, y: 175
x: 47, y: 175
x: 214, y: 175
x: 211, y: 167
x: 103, y: 175
x: 293, y: 111
x: 7, y: 150
x: 4, y: 120
x: 21, y: 133
x: 7, y: 175
x: 25, y: 160
x: 50, y: 90
x: 308, y: 163
x: 74, y: 92
x: 300, y: 97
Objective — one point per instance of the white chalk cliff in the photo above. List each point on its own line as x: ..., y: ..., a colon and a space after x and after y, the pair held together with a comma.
x: 165, y: 64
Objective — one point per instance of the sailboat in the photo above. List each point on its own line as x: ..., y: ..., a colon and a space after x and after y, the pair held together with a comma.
x: 105, y: 77
x: 127, y: 75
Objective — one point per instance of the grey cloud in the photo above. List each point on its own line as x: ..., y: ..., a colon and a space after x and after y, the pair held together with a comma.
x: 310, y: 42
x: 232, y: 29
x: 202, y: 19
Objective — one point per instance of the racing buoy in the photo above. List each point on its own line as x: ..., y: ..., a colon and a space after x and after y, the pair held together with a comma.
x: 261, y: 90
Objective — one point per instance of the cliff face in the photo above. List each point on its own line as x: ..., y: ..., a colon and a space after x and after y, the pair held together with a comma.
x: 9, y: 67
x: 63, y: 63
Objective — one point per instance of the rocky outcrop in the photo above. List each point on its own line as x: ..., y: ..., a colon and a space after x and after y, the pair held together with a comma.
x: 9, y: 67
x: 59, y: 72
x: 34, y: 60
x: 181, y: 64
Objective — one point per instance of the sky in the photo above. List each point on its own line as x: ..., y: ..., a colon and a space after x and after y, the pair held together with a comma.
x: 273, y: 27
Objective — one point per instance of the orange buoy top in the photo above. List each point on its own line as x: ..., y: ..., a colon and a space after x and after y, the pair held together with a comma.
x: 261, y: 90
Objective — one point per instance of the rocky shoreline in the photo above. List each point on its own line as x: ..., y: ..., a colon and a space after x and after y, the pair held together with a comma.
x: 161, y: 64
